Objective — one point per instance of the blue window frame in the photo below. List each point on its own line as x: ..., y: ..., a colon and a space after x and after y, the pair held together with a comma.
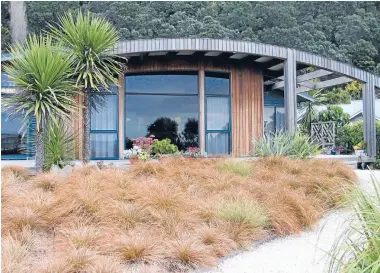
x: 218, y: 113
x: 104, y: 126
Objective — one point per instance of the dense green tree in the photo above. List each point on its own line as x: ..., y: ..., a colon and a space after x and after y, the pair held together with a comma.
x: 346, y: 31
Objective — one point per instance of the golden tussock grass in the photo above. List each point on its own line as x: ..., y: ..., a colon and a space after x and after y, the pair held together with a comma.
x: 162, y: 217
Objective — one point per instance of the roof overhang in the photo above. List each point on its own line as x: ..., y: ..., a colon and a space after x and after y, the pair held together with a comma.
x: 242, y: 49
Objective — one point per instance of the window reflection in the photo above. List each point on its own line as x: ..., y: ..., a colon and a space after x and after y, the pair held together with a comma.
x: 181, y: 83
x: 274, y: 119
x: 13, y: 144
x: 217, y: 83
x: 171, y: 111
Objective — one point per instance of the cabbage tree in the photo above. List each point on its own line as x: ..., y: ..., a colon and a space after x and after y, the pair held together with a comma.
x: 42, y: 74
x: 90, y: 40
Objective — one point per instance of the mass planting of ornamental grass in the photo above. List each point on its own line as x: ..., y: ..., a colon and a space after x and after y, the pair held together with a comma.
x: 171, y: 216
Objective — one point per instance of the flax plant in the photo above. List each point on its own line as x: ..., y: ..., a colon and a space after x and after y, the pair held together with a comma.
x: 42, y: 73
x: 90, y: 40
x: 358, y: 248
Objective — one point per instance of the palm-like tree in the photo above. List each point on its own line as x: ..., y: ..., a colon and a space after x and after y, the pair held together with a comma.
x: 42, y: 73
x: 90, y: 40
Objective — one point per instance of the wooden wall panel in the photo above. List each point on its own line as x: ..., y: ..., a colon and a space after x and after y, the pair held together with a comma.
x: 246, y: 95
x: 77, y: 119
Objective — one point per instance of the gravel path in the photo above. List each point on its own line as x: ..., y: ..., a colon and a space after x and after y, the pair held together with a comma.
x: 304, y: 253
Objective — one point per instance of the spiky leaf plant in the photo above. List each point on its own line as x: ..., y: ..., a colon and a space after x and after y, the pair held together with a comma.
x: 90, y: 40
x: 42, y: 73
x: 294, y: 145
x: 59, y: 144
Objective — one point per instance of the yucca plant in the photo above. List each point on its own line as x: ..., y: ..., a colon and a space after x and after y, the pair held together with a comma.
x: 59, y: 144
x: 358, y: 248
x: 90, y: 40
x: 42, y: 73
x: 295, y: 145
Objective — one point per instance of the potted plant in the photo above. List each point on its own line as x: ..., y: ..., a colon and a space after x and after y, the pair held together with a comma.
x: 359, y: 148
x: 132, y: 154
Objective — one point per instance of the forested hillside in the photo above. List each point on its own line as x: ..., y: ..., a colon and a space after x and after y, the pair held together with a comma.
x: 347, y: 31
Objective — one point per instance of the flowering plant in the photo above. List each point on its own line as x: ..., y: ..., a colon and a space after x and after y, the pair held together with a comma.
x: 145, y: 143
x: 132, y: 153
x: 194, y: 152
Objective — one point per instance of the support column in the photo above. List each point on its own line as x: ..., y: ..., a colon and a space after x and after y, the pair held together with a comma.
x: 121, y: 115
x: 290, y: 95
x: 369, y: 115
x: 202, y: 135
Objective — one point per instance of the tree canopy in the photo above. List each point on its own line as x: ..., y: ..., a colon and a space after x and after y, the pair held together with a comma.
x: 346, y: 31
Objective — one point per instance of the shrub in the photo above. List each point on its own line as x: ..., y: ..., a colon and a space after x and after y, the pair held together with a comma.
x: 59, y: 146
x: 17, y: 171
x: 164, y: 147
x: 352, y: 134
x: 358, y: 248
x: 334, y: 113
x: 296, y: 145
x: 376, y: 165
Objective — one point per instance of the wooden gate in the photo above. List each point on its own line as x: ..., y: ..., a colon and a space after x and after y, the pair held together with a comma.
x: 323, y: 133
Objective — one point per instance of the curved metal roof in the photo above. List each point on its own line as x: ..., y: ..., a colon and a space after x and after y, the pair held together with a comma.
x: 244, y: 47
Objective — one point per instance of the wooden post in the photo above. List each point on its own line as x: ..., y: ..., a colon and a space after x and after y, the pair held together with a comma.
x: 369, y: 115
x: 202, y: 135
x: 290, y: 85
x: 121, y: 115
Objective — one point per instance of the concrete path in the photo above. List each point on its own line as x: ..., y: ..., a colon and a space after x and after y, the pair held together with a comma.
x: 303, y: 253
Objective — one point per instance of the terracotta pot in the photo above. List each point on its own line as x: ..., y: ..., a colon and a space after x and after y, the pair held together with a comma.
x: 133, y: 160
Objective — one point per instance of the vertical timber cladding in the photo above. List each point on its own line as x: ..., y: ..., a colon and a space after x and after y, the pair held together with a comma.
x: 77, y: 118
x: 246, y: 96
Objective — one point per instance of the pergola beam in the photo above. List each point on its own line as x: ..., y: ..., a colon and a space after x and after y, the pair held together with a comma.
x: 324, y: 84
x: 302, y: 78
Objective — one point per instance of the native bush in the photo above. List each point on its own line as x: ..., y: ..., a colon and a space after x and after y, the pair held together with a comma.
x: 296, y: 145
x: 164, y: 147
x: 358, y: 248
x: 352, y: 134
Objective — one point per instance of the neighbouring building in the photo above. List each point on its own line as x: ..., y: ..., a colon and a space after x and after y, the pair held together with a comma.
x: 218, y: 95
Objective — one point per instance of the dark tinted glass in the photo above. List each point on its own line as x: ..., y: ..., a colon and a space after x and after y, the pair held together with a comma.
x: 217, y: 83
x: 164, y: 116
x: 184, y: 83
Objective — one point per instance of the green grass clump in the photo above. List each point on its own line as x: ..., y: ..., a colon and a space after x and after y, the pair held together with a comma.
x: 237, y: 167
x: 358, y: 248
x: 242, y: 211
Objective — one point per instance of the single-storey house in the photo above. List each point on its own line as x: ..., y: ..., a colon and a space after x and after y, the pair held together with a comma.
x: 218, y: 95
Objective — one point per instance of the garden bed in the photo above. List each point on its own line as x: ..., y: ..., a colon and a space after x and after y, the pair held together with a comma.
x: 165, y: 217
